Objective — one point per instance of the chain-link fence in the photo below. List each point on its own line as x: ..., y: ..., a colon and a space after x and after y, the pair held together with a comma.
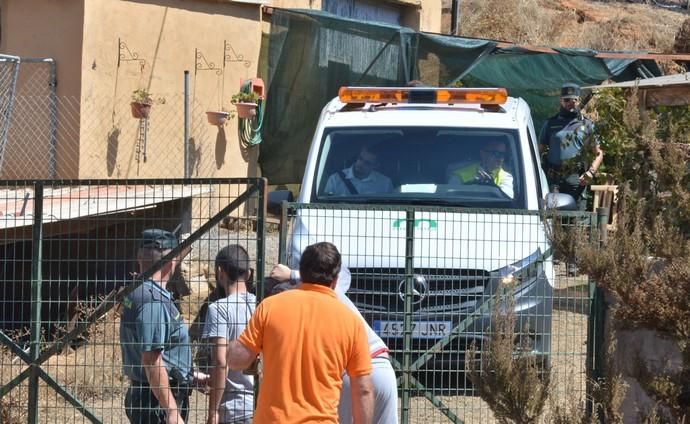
x: 31, y: 150
x: 70, y: 255
x: 53, y: 136
x: 122, y: 146
x: 427, y: 279
x: 9, y: 69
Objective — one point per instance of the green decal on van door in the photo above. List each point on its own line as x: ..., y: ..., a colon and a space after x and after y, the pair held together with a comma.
x: 430, y: 223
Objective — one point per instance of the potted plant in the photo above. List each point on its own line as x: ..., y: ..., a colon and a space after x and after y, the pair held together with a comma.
x: 218, y: 117
x: 141, y: 103
x: 246, y: 103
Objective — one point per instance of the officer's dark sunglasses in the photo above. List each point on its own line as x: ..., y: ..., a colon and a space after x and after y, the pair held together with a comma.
x: 496, y: 153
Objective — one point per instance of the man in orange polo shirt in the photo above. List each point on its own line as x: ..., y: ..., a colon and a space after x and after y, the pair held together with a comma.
x: 307, y: 337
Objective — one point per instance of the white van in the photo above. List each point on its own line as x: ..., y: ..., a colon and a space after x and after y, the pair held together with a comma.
x: 462, y: 167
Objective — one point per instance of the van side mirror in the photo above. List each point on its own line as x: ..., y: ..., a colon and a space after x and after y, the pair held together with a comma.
x: 560, y: 201
x: 276, y: 199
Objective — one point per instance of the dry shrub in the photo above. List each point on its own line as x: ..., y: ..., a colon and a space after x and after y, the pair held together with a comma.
x: 608, y: 394
x: 629, y: 29
x: 611, y: 34
x: 519, y: 21
x: 593, y: 25
x: 12, y: 409
x: 645, y: 266
x: 566, y: 409
x: 509, y: 378
x: 607, y: 397
x: 93, y: 371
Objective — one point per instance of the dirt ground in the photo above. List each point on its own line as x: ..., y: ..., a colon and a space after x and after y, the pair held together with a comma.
x: 93, y: 372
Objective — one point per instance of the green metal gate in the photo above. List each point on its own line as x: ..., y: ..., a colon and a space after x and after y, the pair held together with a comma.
x: 68, y: 250
x: 426, y: 278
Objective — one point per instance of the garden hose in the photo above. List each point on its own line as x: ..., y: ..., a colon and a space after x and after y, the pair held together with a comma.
x: 249, y: 130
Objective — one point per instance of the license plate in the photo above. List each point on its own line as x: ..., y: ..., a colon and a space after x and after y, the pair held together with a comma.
x: 420, y: 329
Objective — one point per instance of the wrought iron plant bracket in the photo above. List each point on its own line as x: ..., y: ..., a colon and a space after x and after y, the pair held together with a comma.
x: 124, y: 54
x: 230, y: 55
x: 201, y: 64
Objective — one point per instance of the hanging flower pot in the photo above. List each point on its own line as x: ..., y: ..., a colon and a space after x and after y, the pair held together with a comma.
x: 246, y: 103
x: 246, y: 110
x: 140, y: 110
x: 141, y: 103
x: 217, y: 118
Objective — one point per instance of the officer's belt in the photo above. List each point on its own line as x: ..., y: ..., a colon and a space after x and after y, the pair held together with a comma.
x: 176, y: 387
x: 171, y: 383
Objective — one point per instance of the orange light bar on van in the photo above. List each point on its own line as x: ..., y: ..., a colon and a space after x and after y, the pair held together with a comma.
x: 484, y: 96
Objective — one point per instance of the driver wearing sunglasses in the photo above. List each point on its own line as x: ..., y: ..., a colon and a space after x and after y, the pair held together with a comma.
x: 489, y: 170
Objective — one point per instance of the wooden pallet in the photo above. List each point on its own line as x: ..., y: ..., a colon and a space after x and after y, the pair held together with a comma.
x: 606, y: 196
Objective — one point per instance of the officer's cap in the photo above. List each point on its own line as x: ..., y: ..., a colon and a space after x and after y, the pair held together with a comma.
x: 570, y: 91
x: 155, y: 238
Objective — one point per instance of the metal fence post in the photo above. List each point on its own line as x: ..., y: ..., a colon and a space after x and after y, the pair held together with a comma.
x: 600, y: 304
x: 260, y: 240
x: 596, y: 334
x: 187, y: 171
x: 407, y: 319
x: 36, y: 279
x: 283, y: 234
x: 52, y: 149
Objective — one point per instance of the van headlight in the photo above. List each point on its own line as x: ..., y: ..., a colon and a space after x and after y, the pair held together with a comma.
x: 519, y: 274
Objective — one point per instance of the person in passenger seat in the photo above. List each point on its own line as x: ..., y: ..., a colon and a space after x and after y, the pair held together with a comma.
x: 489, y: 170
x: 360, y: 178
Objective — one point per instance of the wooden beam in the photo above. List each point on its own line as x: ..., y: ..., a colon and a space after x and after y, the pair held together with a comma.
x: 677, y: 95
x: 602, y: 55
x: 652, y: 56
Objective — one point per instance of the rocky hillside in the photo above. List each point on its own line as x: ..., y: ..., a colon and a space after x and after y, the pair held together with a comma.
x: 575, y: 23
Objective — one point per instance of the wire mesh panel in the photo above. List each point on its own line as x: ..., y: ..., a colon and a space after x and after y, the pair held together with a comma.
x: 9, y: 69
x: 428, y: 280
x: 74, y: 259
x: 31, y: 150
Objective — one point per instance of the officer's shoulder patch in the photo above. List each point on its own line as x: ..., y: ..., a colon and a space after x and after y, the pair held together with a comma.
x: 127, y: 303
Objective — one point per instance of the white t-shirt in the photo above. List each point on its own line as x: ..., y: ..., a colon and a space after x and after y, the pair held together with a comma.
x: 227, y: 318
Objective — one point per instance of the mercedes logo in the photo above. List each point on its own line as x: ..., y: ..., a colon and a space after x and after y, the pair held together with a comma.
x: 420, y: 289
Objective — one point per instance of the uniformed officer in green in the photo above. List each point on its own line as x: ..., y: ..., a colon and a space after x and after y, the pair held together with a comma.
x: 562, y: 139
x: 156, y: 351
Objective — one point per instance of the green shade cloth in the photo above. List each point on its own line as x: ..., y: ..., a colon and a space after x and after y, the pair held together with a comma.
x: 311, y: 54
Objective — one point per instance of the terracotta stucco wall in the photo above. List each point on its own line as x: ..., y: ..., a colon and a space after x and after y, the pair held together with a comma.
x: 157, y: 44
x: 42, y: 29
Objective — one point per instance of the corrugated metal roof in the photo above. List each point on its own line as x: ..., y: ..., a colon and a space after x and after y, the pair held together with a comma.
x: 60, y: 204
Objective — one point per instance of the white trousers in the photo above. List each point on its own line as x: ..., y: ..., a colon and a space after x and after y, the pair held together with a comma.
x: 385, y: 394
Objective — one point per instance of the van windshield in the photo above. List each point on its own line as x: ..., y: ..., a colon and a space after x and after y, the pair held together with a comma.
x: 472, y: 167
